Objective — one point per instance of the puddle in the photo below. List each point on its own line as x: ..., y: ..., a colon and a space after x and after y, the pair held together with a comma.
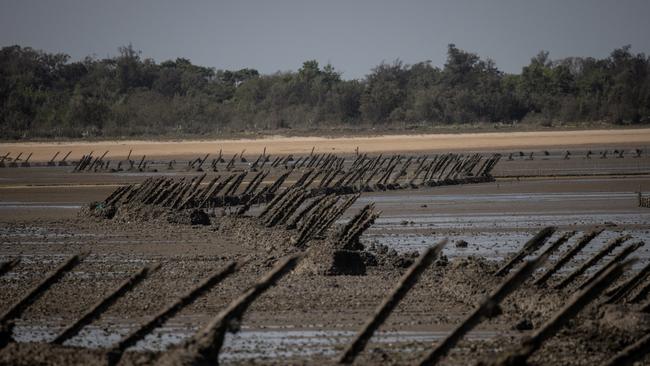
x: 244, y: 345
x: 505, y: 221
x: 39, y: 205
x: 497, y: 197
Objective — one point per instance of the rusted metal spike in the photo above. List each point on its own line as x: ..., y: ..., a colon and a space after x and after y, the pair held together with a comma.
x: 204, y: 347
x: 613, y: 244
x: 618, y: 258
x: 101, y: 306
x: 629, y: 285
x: 641, y: 294
x: 558, y: 243
x: 579, y: 245
x: 136, y: 335
x: 570, y: 310
x: 408, y: 280
x: 328, y: 220
x: 529, y: 248
x: 488, y: 309
x: 35, y: 292
x: 293, y: 222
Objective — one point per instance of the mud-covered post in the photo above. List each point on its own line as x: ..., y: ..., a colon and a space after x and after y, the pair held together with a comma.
x: 51, y: 162
x: 101, y: 306
x: 391, y: 301
x: 558, y: 243
x: 529, y: 248
x: 582, y: 242
x: 613, y: 244
x: 488, y: 309
x: 570, y: 310
x: 612, y: 262
x: 628, y: 286
x: 204, y: 347
x: 35, y: 292
x: 138, y: 334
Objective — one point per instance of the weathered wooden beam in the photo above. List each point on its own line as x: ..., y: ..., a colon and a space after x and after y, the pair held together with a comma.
x: 39, y: 289
x: 204, y: 347
x: 608, y: 248
x: 529, y: 248
x: 487, y: 309
x: 387, y: 306
x: 138, y: 334
x: 581, y: 299
x: 579, y: 245
x: 101, y: 306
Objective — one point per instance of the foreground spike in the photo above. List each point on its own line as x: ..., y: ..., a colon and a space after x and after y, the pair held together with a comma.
x: 487, y: 309
x: 529, y: 248
x: 101, y: 306
x: 390, y: 302
x: 138, y: 334
x: 203, y: 348
x: 568, y: 312
x: 582, y: 242
x: 17, y: 309
x: 613, y: 244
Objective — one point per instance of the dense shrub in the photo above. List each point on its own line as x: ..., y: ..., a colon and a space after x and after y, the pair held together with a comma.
x: 46, y: 95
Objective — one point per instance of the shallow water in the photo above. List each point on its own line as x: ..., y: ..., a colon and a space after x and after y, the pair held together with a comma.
x: 246, y: 344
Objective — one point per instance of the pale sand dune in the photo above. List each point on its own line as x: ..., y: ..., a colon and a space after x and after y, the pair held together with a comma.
x: 624, y: 138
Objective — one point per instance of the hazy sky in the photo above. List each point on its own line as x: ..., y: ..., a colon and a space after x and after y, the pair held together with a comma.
x: 352, y: 35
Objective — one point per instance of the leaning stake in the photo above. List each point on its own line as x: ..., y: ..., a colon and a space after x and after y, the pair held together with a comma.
x: 203, y: 348
x: 101, y: 306
x: 582, y: 242
x: 593, y: 260
x: 570, y: 310
x: 632, y: 353
x: 138, y: 334
x: 17, y: 309
x: 487, y: 309
x: 529, y: 248
x: 390, y: 302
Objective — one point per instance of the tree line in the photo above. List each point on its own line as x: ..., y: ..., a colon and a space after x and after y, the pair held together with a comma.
x: 45, y: 95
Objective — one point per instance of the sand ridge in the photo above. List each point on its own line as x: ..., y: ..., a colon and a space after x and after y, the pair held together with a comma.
x: 281, y: 145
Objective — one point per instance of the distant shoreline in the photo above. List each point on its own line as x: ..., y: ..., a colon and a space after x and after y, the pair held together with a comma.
x: 283, y: 145
x: 343, y: 132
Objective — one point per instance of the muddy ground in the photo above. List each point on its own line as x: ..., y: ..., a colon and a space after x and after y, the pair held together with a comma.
x: 309, y: 318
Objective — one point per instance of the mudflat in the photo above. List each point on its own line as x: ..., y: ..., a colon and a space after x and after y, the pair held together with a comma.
x: 310, y: 317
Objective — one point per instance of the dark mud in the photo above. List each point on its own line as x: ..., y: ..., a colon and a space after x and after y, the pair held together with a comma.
x: 314, y: 312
